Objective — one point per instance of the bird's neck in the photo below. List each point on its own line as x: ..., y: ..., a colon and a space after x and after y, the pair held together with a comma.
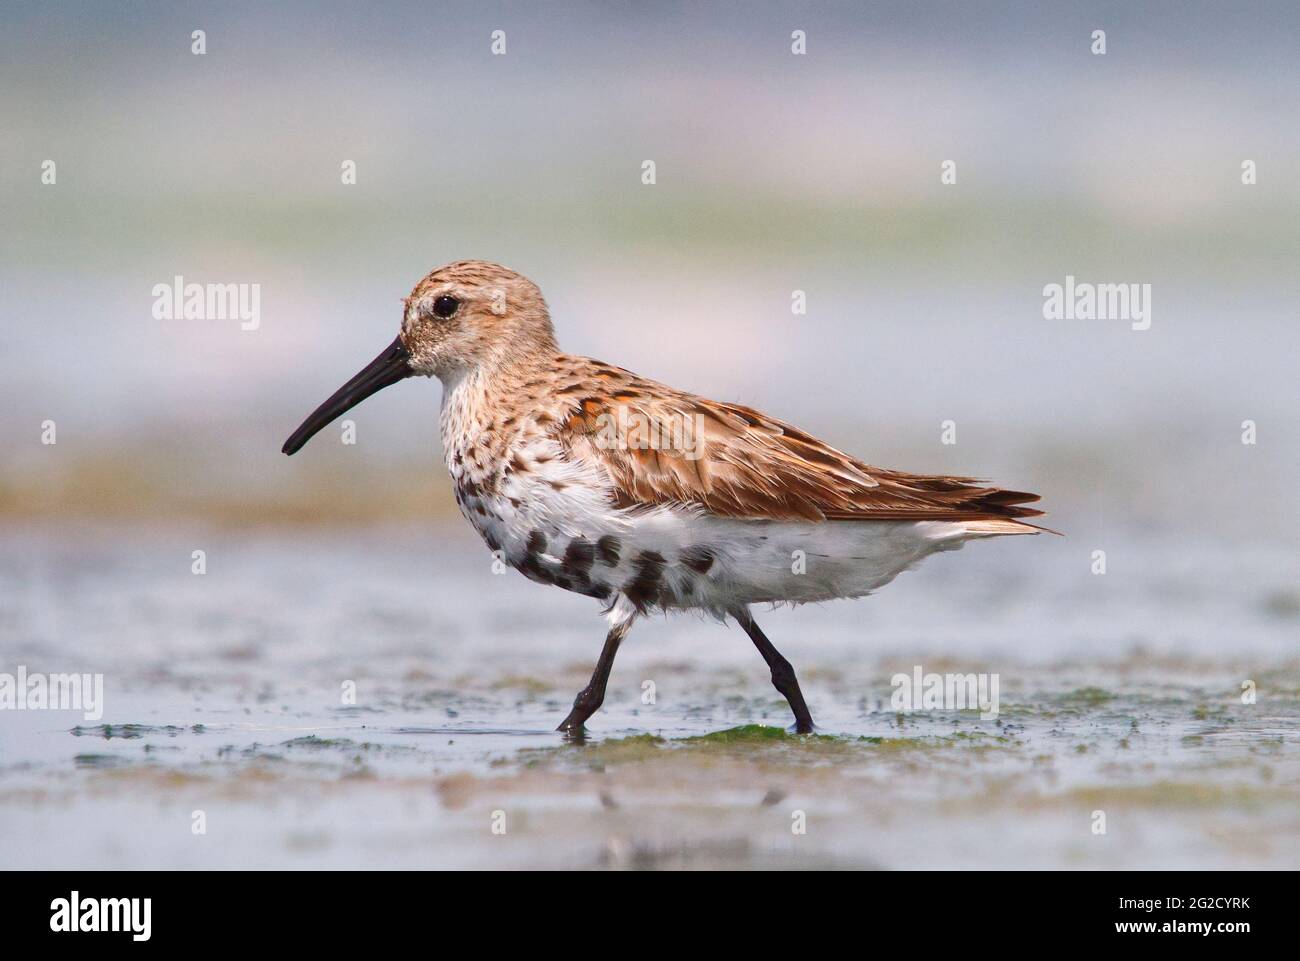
x: 479, y: 402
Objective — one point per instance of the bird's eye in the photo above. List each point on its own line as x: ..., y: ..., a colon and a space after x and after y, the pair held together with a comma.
x: 445, y: 306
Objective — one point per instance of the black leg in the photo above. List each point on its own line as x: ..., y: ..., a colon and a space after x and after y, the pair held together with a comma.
x: 782, y: 673
x: 592, y: 696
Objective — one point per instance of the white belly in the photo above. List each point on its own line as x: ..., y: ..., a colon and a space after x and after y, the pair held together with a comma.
x: 675, y: 558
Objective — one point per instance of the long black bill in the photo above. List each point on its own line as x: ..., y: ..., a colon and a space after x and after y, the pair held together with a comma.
x: 386, y: 369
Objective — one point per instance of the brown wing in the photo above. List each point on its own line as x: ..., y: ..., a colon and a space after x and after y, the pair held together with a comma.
x: 661, y: 446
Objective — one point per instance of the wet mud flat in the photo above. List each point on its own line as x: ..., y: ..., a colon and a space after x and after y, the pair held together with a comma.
x: 380, y: 699
x: 1087, y: 769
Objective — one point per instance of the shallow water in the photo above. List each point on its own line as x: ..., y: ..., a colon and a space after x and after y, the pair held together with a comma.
x: 224, y: 695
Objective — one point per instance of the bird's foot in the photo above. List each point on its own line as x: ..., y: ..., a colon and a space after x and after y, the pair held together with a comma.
x: 573, y: 729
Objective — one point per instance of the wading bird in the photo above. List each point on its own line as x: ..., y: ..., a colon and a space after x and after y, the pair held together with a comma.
x: 588, y: 477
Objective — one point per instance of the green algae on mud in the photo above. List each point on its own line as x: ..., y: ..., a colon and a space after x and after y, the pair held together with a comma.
x: 756, y: 734
x: 643, y: 747
x: 595, y: 754
x: 99, y: 761
x: 131, y: 732
x: 755, y: 742
x: 1088, y: 696
x: 978, y: 741
x: 313, y: 741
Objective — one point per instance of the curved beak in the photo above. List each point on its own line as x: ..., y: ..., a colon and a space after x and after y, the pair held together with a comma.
x: 386, y: 369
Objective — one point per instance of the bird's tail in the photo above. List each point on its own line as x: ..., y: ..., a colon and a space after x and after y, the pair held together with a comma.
x: 995, y: 527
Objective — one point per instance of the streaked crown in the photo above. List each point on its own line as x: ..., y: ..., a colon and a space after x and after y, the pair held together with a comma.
x: 474, y: 314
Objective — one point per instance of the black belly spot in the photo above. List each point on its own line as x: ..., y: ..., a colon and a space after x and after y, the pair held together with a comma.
x: 644, y: 587
x: 581, y: 585
x: 532, y: 568
x: 578, y: 556
x: 607, y: 547
x: 698, y: 559
x: 535, y: 569
x: 536, y: 543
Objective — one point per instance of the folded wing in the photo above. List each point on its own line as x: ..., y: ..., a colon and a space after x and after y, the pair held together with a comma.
x: 659, y: 446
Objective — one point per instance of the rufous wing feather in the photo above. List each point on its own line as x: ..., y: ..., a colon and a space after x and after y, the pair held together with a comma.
x: 660, y: 446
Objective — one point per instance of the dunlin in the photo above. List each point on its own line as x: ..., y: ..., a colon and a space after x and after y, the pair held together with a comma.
x: 588, y: 477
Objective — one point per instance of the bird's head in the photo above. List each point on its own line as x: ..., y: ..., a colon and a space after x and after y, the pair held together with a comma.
x: 466, y: 316
x: 473, y: 314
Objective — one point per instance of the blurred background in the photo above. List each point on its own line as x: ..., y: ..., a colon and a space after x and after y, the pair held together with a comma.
x: 775, y: 173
